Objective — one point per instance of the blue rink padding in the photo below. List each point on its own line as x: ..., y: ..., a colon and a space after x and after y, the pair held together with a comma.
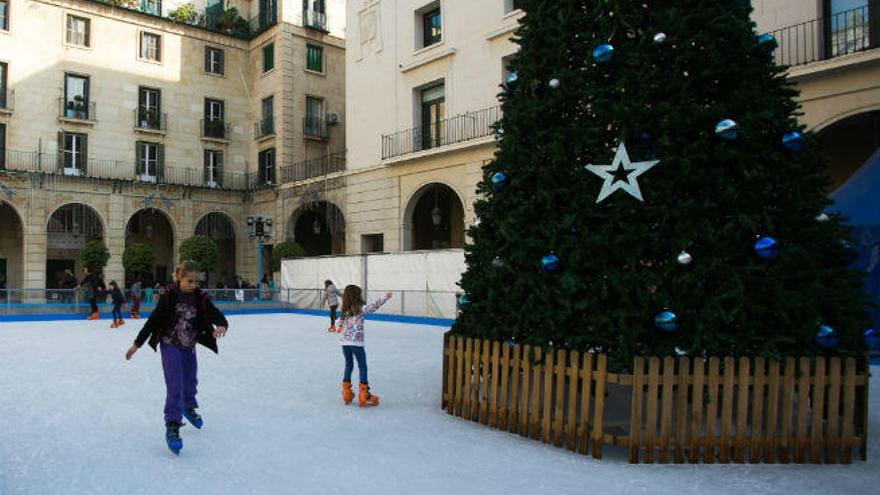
x: 414, y: 320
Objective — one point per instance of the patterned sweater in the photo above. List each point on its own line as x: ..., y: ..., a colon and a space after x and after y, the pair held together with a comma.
x: 353, y: 327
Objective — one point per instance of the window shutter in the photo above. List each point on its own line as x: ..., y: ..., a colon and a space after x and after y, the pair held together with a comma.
x: 221, y: 55
x: 84, y: 163
x: 207, y: 59
x: 158, y: 106
x: 160, y: 162
x: 206, y: 163
x: 218, y: 176
x: 60, y: 159
x: 138, y: 157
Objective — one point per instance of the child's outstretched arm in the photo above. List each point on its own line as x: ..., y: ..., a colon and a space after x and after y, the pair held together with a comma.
x: 375, y: 305
x: 216, y: 318
x: 148, y: 328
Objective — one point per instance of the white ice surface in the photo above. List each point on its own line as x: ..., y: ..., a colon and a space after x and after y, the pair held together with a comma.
x: 76, y: 418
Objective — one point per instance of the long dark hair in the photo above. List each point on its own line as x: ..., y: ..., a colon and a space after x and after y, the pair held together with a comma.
x: 352, y: 301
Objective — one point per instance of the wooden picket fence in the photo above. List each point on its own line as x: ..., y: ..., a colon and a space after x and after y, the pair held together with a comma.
x: 680, y: 409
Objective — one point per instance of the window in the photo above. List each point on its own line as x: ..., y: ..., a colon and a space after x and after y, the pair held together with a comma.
x: 76, y: 97
x: 78, y: 31
x: 267, y: 166
x: 372, y: 243
x: 433, y: 114
x: 153, y: 7
x: 431, y: 27
x: 315, y: 58
x: 315, y: 124
x: 268, y: 57
x: 315, y: 14
x: 266, y: 124
x: 4, y: 96
x: 268, y: 14
x: 4, y: 15
x: 849, y: 26
x: 213, y: 168
x: 149, y: 108
x: 75, y: 152
x: 151, y: 47
x: 215, y: 124
x: 149, y: 161
x: 214, y: 61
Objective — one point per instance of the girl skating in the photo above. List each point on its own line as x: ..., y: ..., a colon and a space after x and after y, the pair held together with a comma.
x: 118, y: 301
x: 183, y: 317
x: 331, y: 298
x: 352, y: 341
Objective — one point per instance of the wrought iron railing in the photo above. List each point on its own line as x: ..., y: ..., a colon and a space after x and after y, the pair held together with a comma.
x: 315, y: 167
x: 80, y: 109
x: 264, y: 127
x: 7, y: 99
x: 122, y: 170
x: 149, y: 120
x: 315, y: 126
x: 462, y: 127
x: 214, y: 129
x: 828, y: 37
x: 314, y: 19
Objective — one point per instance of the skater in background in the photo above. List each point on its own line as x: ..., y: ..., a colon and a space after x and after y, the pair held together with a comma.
x: 352, y: 341
x: 331, y: 299
x: 135, y: 299
x: 93, y: 283
x: 118, y: 301
x: 184, y: 317
x: 157, y: 291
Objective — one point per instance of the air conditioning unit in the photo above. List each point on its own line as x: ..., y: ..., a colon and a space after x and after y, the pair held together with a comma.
x: 332, y: 118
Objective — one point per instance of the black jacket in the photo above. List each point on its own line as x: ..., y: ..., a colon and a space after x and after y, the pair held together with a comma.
x: 163, y: 315
x: 118, y: 297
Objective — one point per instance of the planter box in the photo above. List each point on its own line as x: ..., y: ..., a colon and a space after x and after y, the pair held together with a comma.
x: 668, y: 410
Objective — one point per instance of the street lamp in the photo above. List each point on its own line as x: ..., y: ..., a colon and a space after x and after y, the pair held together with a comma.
x: 259, y: 228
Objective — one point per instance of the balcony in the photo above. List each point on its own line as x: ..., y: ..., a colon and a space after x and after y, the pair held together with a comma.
x: 826, y: 38
x: 148, y: 120
x: 458, y: 129
x: 215, y: 130
x: 7, y: 101
x: 264, y: 128
x: 315, y: 167
x: 263, y: 22
x: 313, y: 19
x: 123, y: 170
x: 315, y: 127
x: 77, y: 110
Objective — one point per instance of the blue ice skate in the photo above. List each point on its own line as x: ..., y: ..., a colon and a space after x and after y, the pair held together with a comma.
x: 193, y: 417
x: 172, y: 437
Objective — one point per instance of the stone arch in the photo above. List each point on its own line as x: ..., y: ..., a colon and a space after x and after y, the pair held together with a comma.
x: 319, y: 228
x: 221, y: 228
x: 421, y: 229
x: 848, y: 142
x: 11, y: 245
x: 156, y: 227
x: 68, y: 227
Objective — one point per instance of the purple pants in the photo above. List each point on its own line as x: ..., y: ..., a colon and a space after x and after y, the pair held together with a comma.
x: 180, y: 366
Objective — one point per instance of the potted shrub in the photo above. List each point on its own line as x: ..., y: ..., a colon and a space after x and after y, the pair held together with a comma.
x: 185, y: 13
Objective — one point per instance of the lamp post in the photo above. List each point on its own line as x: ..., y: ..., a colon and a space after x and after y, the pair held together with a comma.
x: 259, y: 228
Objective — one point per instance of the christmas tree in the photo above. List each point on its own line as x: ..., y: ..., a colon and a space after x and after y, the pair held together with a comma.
x: 653, y: 193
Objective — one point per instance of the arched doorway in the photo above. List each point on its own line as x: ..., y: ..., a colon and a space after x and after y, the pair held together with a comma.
x: 68, y: 230
x: 152, y: 226
x: 11, y: 248
x: 434, y: 219
x: 852, y: 148
x: 219, y: 227
x: 848, y: 143
x: 319, y: 229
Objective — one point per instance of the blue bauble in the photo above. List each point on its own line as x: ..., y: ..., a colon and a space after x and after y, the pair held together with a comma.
x: 463, y: 300
x: 726, y: 129
x: 793, y: 141
x: 603, y: 53
x: 767, y: 41
x: 826, y: 337
x: 872, y: 340
x: 499, y: 180
x: 550, y: 263
x: 767, y: 248
x: 511, y: 79
x: 666, y: 321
